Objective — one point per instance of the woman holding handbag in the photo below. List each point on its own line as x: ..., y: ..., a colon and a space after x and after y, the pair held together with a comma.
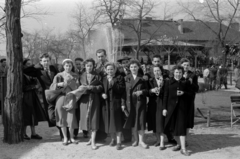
x: 65, y: 81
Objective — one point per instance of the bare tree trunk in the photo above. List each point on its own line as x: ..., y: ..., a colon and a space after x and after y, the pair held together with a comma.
x: 12, y: 115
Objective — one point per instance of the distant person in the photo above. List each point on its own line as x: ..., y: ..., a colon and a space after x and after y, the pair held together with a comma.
x: 213, y: 77
x: 236, y: 73
x: 206, y: 73
x: 222, y: 74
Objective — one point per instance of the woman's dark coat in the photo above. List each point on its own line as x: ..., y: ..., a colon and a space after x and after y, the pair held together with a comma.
x: 33, y: 111
x: 155, y: 118
x: 90, y: 100
x: 45, y: 81
x: 136, y: 106
x: 177, y: 106
x: 111, y: 108
x: 194, y: 87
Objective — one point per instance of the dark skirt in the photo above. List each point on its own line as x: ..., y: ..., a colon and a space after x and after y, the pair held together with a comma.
x: 177, y: 127
x: 33, y: 111
x: 65, y: 118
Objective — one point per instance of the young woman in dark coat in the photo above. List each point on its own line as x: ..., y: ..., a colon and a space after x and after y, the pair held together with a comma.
x: 175, y: 101
x: 156, y: 114
x: 136, y: 92
x: 113, y: 90
x: 33, y: 111
x: 193, y: 79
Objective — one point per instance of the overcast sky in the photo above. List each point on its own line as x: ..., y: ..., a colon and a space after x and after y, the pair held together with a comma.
x: 60, y: 20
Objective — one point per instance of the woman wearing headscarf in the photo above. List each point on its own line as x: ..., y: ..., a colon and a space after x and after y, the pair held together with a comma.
x: 113, y: 90
x: 65, y: 81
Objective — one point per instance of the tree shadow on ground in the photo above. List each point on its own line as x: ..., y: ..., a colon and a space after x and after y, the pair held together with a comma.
x: 207, y: 142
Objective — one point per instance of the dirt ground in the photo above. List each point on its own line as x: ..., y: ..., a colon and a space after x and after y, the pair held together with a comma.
x: 218, y: 141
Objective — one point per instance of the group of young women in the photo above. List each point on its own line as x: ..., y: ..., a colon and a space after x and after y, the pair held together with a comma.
x: 170, y: 104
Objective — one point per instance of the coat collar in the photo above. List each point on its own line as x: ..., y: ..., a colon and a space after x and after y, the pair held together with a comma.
x: 84, y: 78
x: 106, y: 83
x: 134, y: 82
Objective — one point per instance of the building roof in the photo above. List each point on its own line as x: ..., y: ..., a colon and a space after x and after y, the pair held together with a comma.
x: 194, y: 31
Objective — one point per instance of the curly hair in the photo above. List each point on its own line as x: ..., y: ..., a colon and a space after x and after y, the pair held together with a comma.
x: 177, y: 67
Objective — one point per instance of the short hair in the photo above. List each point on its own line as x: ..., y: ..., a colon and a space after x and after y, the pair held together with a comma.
x: 110, y: 64
x: 45, y: 55
x: 183, y: 60
x: 89, y: 60
x: 101, y: 50
x: 78, y: 59
x: 25, y: 61
x: 2, y: 60
x: 156, y: 56
x: 159, y: 66
x: 134, y: 61
x: 177, y: 67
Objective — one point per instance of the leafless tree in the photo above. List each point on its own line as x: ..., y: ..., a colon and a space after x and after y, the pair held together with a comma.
x: 221, y: 12
x: 84, y: 21
x: 12, y: 112
x: 111, y: 10
x: 140, y: 9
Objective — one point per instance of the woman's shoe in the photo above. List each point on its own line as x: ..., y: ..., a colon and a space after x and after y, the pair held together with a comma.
x: 65, y: 143
x: 185, y: 152
x: 74, y: 142
x: 119, y: 146
x: 89, y: 142
x: 94, y: 147
x: 36, y: 136
x: 162, y: 148
x: 135, y: 143
x: 145, y: 146
x: 176, y: 148
x: 26, y: 137
x: 112, y: 143
x: 157, y: 144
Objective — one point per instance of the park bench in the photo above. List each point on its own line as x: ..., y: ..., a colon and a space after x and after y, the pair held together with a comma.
x: 235, y: 104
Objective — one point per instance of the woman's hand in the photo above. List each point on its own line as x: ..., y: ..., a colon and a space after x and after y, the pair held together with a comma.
x: 164, y: 112
x: 137, y: 93
x: 104, y: 96
x: 123, y: 107
x: 62, y: 84
x: 154, y: 90
x: 180, y: 93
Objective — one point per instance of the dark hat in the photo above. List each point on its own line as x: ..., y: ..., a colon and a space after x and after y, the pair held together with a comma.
x: 124, y: 58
